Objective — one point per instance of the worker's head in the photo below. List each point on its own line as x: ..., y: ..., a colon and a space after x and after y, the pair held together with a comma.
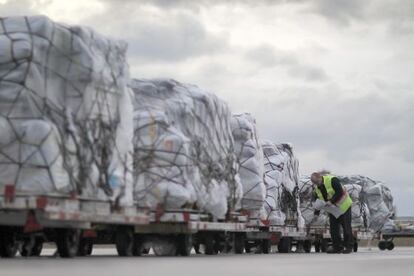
x: 317, y: 178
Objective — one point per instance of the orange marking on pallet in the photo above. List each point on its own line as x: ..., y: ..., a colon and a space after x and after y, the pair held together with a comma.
x: 31, y: 223
x: 9, y: 193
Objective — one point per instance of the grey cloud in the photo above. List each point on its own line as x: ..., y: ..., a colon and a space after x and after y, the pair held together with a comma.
x: 268, y: 56
x: 182, y: 38
x: 398, y: 14
x: 346, y: 129
x: 308, y: 73
x: 196, y: 5
x: 162, y: 36
x: 17, y: 8
x: 340, y: 11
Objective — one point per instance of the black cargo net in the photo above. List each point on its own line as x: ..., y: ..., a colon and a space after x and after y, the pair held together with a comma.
x: 250, y: 159
x: 59, y: 106
x: 281, y: 200
x: 181, y: 133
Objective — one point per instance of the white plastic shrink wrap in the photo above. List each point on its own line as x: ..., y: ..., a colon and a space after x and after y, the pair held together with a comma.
x: 183, y: 149
x: 306, y: 199
x: 281, y: 181
x: 372, y: 207
x: 251, y: 166
x: 66, y: 117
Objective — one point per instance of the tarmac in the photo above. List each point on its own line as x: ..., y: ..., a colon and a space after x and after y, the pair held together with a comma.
x: 105, y: 261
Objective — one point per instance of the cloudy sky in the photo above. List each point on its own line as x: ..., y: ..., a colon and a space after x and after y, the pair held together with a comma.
x: 333, y: 77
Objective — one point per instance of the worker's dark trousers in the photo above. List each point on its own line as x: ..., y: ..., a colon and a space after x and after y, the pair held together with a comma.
x: 345, y: 221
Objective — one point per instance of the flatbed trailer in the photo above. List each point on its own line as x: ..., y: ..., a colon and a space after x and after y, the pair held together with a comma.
x: 320, y: 237
x: 76, y: 223
x: 386, y: 239
x: 27, y: 221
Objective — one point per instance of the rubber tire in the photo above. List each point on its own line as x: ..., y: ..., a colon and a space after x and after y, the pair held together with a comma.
x: 324, y: 245
x: 145, y: 250
x: 67, y: 242
x: 36, y: 249
x: 266, y: 246
x: 85, y: 247
x: 210, y: 245
x: 166, y: 246
x: 8, y: 243
x: 248, y: 246
x: 355, y: 247
x: 390, y: 245
x: 284, y: 245
x: 138, y: 246
x: 317, y: 247
x: 307, y: 246
x: 184, y: 244
x: 124, y: 241
x: 382, y: 245
x: 239, y: 243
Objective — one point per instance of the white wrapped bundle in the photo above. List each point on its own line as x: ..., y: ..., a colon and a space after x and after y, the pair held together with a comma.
x: 281, y: 179
x: 372, y: 202
x: 360, y: 212
x: 202, y: 140
x: 250, y: 159
x: 378, y: 199
x: 380, y: 218
x: 307, y: 210
x: 61, y: 92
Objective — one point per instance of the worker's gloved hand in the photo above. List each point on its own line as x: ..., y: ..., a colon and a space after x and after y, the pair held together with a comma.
x: 316, y: 213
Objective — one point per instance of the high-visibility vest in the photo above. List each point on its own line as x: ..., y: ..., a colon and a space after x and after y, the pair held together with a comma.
x: 344, y: 203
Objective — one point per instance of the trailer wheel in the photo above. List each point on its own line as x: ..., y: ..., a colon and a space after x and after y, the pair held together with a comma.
x: 184, y: 244
x: 85, y: 247
x: 165, y: 246
x: 31, y: 247
x: 324, y: 245
x: 146, y: 250
x: 124, y: 240
x: 138, y: 246
x: 307, y: 246
x: 382, y: 245
x: 248, y: 246
x: 390, y: 245
x: 210, y: 247
x: 8, y: 243
x: 284, y: 245
x: 356, y: 246
x: 67, y: 242
x: 238, y: 243
x: 266, y: 246
x: 317, y: 247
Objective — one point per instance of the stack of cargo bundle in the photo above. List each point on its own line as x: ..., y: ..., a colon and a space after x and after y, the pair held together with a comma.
x: 61, y: 129
x: 377, y: 197
x: 306, y: 195
x: 372, y: 203
x: 281, y: 181
x: 250, y: 159
x: 183, y: 149
x: 360, y: 211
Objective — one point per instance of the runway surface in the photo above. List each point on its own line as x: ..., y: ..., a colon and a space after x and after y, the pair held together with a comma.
x: 104, y: 262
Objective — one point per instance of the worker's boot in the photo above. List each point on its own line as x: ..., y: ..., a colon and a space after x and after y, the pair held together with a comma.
x: 334, y: 250
x: 347, y: 250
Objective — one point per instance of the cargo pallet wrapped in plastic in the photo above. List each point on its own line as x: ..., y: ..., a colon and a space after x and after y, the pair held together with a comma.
x: 306, y: 199
x: 183, y: 149
x: 251, y: 165
x: 281, y: 180
x: 378, y: 200
x: 372, y: 207
x: 66, y: 122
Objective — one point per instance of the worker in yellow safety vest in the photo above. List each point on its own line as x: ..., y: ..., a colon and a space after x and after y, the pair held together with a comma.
x: 329, y: 189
